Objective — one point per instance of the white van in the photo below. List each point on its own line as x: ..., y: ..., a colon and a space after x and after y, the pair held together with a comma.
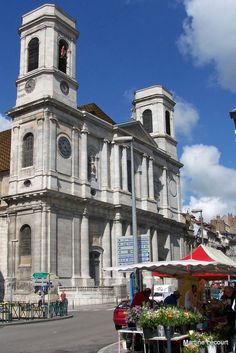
x: 160, y: 292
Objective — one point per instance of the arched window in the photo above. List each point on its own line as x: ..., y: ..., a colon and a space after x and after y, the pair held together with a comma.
x: 28, y: 150
x: 33, y: 54
x: 25, y: 241
x: 168, y: 131
x: 147, y: 120
x: 62, y: 55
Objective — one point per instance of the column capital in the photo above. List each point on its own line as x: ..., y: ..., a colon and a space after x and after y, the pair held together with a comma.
x: 75, y: 129
x: 85, y: 212
x: 145, y: 155
x: 53, y: 119
x: 106, y: 141
x: 85, y: 129
x: 15, y: 127
x: 151, y: 159
x: 40, y: 118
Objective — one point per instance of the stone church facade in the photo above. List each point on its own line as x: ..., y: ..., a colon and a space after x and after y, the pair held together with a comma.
x: 66, y: 186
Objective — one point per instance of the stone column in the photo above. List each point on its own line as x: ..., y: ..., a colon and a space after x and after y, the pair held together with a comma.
x: 84, y: 155
x: 151, y: 178
x: 15, y: 151
x: 138, y: 185
x: 75, y: 152
x: 85, y: 245
x: 168, y: 246
x: 43, y: 266
x: 116, y: 167
x: 106, y: 244
x: 76, y: 256
x: 116, y: 232
x: 178, y: 195
x: 39, y: 145
x: 53, y: 142
x: 154, y: 241
x: 51, y: 241
x: 164, y: 192
x: 124, y: 169
x: 144, y: 194
x: 104, y: 165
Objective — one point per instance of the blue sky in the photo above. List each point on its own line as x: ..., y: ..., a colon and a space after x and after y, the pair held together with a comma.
x: 189, y: 46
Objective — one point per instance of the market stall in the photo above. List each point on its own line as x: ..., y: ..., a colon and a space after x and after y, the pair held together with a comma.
x: 204, y: 263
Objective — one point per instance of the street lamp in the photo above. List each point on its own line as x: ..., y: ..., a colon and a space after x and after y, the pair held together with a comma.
x: 14, y: 241
x: 199, y: 211
x: 129, y: 139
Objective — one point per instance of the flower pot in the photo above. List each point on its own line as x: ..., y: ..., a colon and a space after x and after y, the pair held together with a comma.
x: 211, y: 348
x: 160, y: 331
x: 169, y: 331
x: 149, y: 333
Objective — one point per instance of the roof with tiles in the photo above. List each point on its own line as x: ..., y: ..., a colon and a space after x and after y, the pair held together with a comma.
x: 5, y: 149
x: 92, y: 108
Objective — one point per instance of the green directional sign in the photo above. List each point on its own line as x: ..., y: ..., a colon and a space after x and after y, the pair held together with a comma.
x: 40, y: 275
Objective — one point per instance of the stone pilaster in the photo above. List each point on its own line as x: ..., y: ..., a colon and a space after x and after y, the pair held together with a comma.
x: 154, y: 241
x: 150, y: 178
x: 144, y: 183
x: 106, y: 244
x: 53, y: 142
x: 104, y: 165
x: 124, y: 169
x: 116, y: 167
x: 85, y: 245
x: 39, y: 145
x: 75, y: 152
x: 84, y: 155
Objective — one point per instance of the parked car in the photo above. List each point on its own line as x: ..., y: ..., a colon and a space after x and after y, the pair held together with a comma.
x: 158, y: 297
x: 119, y: 314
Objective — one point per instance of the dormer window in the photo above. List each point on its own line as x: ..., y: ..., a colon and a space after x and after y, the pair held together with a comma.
x: 147, y: 120
x: 62, y: 55
x: 33, y: 54
x: 168, y: 130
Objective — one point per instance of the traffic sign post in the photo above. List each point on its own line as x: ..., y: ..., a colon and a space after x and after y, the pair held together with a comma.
x: 125, y: 249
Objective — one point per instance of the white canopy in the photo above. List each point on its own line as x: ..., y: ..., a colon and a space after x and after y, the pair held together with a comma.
x: 180, y: 268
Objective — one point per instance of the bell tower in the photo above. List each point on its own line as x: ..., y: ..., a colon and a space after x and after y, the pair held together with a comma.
x: 47, y: 57
x: 154, y: 108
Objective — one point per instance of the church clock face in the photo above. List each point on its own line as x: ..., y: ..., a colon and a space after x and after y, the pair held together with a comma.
x: 64, y: 87
x: 29, y: 86
x: 64, y: 147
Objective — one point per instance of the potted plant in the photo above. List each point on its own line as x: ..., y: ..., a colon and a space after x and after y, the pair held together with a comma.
x: 191, y: 348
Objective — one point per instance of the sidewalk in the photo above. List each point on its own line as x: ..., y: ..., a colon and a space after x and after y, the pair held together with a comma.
x: 34, y: 321
x: 112, y: 348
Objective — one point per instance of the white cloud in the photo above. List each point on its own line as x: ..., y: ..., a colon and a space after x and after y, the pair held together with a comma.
x: 211, y: 185
x: 4, y: 123
x: 129, y: 94
x: 210, y: 36
x: 186, y: 117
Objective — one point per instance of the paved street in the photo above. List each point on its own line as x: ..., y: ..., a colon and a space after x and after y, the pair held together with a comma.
x: 90, y: 329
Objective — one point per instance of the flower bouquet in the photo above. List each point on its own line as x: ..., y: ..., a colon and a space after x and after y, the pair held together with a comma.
x: 191, y: 348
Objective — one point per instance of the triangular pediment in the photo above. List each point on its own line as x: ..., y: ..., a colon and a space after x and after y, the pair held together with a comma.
x: 136, y: 129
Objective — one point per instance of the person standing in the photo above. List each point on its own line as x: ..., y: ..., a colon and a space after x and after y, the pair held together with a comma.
x: 190, y: 299
x: 172, y: 299
x: 63, y: 296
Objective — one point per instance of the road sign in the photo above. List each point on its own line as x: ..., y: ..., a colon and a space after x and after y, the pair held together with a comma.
x: 125, y: 249
x: 40, y: 275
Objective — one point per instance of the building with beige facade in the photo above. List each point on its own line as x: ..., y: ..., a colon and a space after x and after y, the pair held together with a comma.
x: 65, y: 182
